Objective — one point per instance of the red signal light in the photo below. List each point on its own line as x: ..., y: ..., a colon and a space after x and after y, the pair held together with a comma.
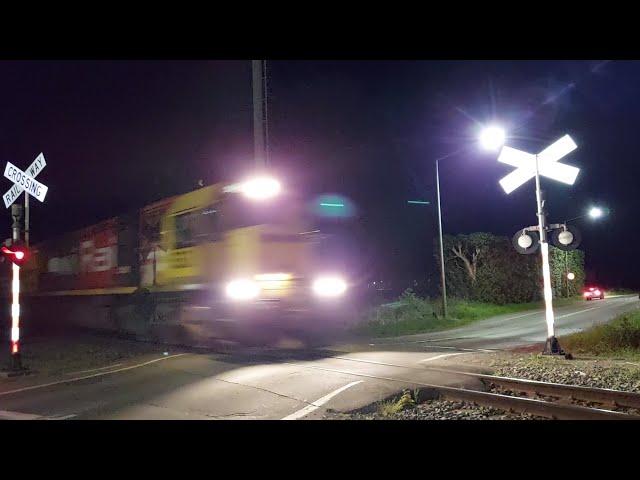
x: 15, y: 254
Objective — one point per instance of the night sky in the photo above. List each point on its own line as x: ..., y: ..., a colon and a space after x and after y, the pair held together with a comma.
x: 119, y: 135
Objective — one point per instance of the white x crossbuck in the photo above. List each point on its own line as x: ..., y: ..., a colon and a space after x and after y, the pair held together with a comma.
x: 25, y: 181
x: 547, y: 162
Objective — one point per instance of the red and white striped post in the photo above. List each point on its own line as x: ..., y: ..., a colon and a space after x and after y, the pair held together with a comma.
x: 16, y: 363
x: 15, y: 317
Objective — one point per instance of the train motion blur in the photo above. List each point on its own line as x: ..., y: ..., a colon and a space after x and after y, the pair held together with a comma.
x: 244, y: 262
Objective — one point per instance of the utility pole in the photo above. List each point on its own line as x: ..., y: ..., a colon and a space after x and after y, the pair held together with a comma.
x: 260, y: 133
x: 443, y: 280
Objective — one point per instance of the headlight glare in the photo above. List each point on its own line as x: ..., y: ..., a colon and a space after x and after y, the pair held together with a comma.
x: 329, y: 286
x: 242, y: 289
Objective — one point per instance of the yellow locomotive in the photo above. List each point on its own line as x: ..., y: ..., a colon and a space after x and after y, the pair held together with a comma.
x: 222, y: 261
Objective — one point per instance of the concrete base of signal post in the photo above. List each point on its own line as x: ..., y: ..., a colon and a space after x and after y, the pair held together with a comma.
x: 15, y: 368
x: 552, y: 347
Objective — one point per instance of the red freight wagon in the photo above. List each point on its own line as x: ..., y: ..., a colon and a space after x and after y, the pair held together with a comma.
x: 102, y: 256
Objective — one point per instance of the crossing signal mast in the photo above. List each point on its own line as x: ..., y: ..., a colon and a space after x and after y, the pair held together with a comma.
x: 17, y: 254
x: 530, y: 239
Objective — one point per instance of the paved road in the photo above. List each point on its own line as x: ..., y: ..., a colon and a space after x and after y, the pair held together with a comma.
x: 262, y: 384
x: 525, y: 328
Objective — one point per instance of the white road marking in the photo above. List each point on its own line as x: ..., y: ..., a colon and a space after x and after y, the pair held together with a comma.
x: 318, y: 403
x: 77, y: 379
x: 94, y: 369
x: 442, y: 339
x: 430, y: 359
x: 8, y: 415
x: 524, y: 315
x: 64, y: 417
x: 587, y: 309
x: 484, y: 350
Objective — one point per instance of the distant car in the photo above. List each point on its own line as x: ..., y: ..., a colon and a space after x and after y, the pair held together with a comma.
x: 593, y: 292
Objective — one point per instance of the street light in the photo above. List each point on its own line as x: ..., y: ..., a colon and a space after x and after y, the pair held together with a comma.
x: 595, y: 212
x: 490, y: 138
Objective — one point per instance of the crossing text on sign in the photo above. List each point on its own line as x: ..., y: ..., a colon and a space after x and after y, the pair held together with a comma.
x: 22, y: 181
x: 33, y: 170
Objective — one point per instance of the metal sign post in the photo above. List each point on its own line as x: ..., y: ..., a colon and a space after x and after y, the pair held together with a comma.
x: 532, y: 166
x: 26, y: 219
x: 16, y: 361
x: 552, y: 345
x: 22, y: 181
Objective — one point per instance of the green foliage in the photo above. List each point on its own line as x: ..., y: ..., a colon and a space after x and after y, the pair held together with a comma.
x: 561, y: 262
x: 412, y: 314
x: 505, y: 276
x: 621, y: 291
x: 392, y: 407
x: 620, y: 336
x: 486, y: 268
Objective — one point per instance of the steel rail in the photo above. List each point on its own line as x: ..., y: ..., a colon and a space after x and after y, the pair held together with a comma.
x: 605, y: 396
x: 543, y: 408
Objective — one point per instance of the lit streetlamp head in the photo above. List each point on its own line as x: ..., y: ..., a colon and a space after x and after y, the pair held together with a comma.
x: 492, y: 138
x: 595, y: 212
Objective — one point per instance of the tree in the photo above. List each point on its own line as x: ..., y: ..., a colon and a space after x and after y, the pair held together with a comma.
x: 561, y: 262
x: 485, y: 267
x: 470, y: 249
x: 465, y: 258
x: 506, y: 276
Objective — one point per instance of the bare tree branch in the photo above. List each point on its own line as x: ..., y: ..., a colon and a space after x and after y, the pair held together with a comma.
x: 471, y: 268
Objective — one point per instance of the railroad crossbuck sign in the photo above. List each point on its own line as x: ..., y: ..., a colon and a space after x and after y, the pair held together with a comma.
x: 547, y: 161
x: 25, y: 181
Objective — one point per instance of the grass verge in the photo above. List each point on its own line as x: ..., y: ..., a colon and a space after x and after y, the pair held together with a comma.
x: 620, y: 291
x: 412, y: 314
x: 59, y: 354
x: 393, y: 407
x: 618, y: 338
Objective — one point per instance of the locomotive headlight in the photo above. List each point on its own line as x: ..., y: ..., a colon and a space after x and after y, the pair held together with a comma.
x: 329, y: 286
x: 242, y: 289
x: 261, y: 188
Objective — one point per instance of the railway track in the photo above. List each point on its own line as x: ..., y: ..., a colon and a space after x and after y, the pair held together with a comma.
x: 550, y: 400
x: 533, y: 406
x: 612, y: 399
